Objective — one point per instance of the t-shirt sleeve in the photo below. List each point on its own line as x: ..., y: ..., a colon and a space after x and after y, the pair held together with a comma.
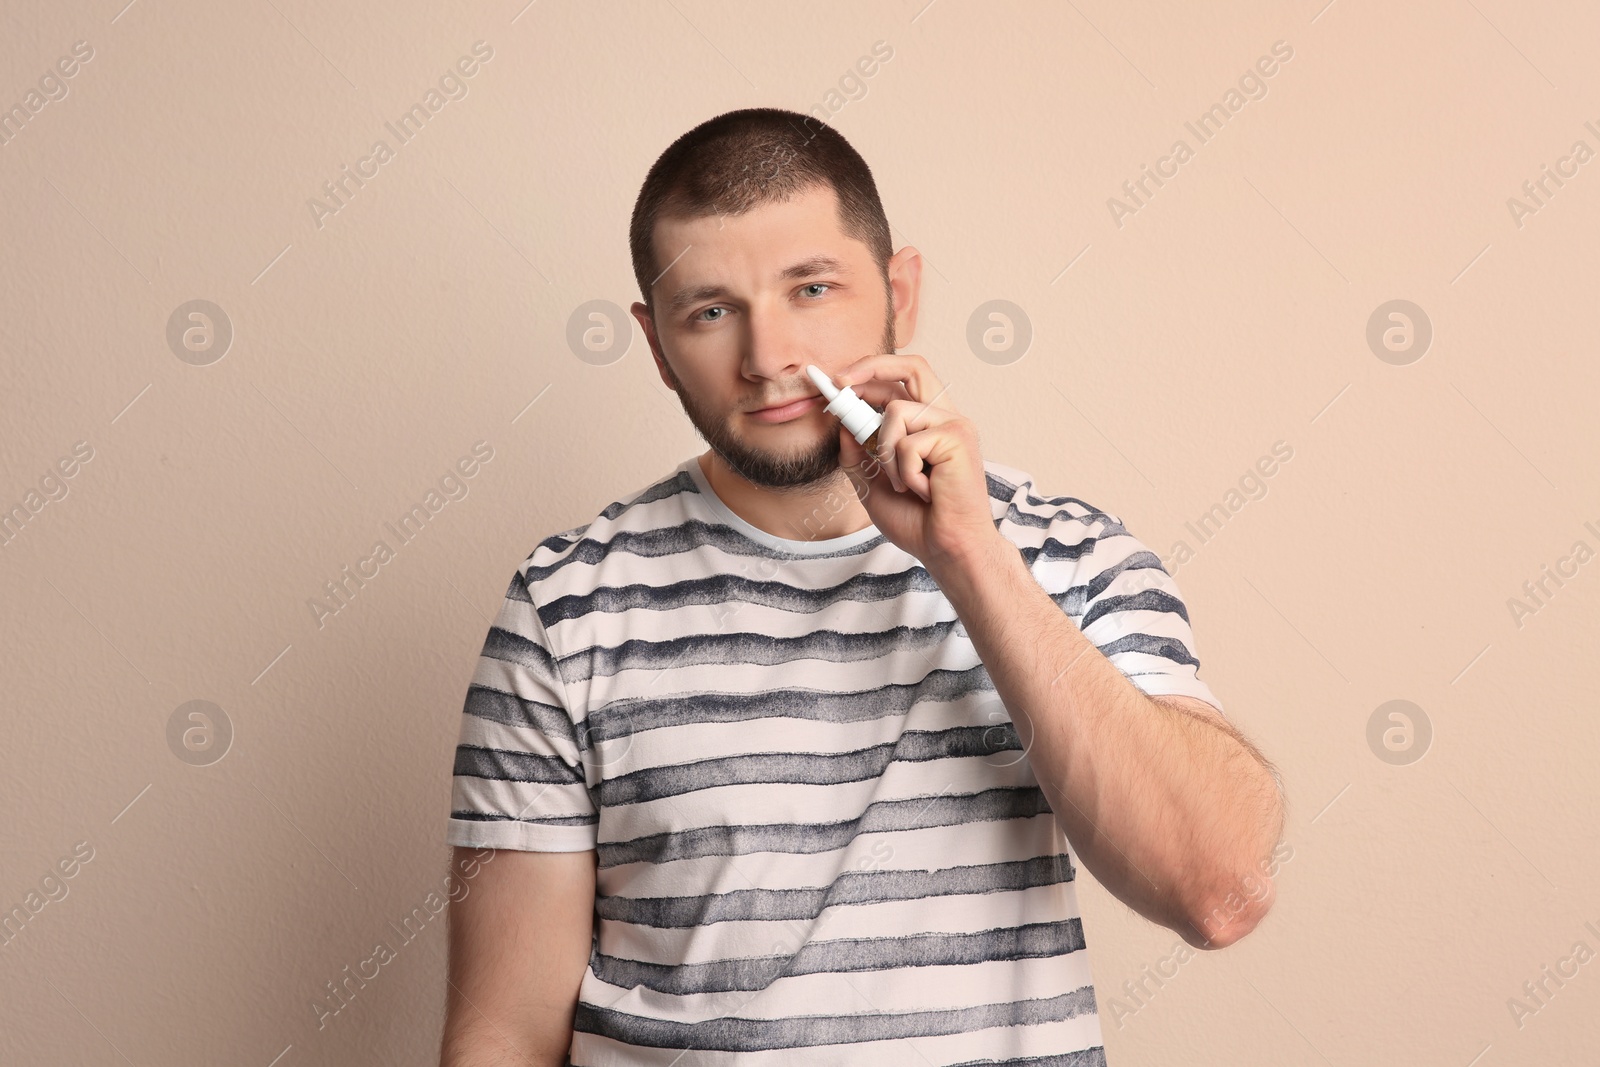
x: 519, y: 777
x: 1122, y: 598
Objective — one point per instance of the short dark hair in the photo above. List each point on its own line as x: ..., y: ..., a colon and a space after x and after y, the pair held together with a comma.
x: 729, y: 164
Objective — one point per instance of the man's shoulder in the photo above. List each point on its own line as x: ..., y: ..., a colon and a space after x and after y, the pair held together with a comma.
x: 1016, y: 498
x: 641, y: 513
x: 1070, y: 545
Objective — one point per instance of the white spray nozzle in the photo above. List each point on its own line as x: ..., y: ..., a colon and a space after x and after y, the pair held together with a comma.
x: 858, y: 416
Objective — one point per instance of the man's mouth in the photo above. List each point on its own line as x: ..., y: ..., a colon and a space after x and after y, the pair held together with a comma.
x: 787, y: 410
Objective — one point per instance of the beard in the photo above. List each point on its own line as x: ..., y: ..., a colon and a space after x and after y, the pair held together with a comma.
x: 802, y: 466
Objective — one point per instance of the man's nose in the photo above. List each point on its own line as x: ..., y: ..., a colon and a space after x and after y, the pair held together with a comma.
x: 774, y: 348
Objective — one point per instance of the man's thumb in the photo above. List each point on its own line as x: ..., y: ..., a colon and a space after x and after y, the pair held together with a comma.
x: 851, y: 453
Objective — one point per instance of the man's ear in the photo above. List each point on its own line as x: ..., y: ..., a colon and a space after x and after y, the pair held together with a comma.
x: 641, y: 312
x: 905, y: 285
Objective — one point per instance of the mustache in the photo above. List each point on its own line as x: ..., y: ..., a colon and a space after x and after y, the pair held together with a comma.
x: 805, y: 394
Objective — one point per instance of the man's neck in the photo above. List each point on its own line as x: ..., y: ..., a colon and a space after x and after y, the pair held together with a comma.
x: 815, y: 513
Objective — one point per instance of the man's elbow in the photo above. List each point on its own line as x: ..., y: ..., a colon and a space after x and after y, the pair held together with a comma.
x: 1225, y: 918
x: 1231, y: 905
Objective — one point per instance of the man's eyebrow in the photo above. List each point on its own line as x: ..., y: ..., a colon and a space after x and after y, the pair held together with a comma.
x: 815, y: 265
x: 819, y: 264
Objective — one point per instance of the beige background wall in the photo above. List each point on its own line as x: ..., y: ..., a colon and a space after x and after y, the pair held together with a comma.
x: 370, y: 353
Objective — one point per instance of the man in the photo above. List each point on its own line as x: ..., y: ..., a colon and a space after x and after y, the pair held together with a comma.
x: 790, y: 756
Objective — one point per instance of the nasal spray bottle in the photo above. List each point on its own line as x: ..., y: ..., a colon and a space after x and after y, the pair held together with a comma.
x: 858, y: 416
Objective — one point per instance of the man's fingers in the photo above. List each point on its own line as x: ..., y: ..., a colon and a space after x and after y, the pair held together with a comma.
x: 880, y: 393
x: 901, y: 419
x: 895, y: 376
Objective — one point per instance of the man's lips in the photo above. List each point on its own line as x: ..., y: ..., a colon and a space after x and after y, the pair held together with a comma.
x: 787, y: 410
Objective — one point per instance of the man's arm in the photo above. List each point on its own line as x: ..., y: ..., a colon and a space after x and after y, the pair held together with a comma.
x: 519, y: 945
x: 1164, y: 802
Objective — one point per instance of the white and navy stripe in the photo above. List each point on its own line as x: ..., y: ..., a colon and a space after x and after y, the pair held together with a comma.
x: 817, y: 835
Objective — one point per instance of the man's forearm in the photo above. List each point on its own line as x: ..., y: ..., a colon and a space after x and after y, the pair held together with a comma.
x: 1169, y: 812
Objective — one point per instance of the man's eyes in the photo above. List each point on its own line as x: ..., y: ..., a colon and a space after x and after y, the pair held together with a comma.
x: 718, y: 307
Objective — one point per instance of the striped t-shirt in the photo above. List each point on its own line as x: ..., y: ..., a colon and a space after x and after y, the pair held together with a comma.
x: 819, y: 840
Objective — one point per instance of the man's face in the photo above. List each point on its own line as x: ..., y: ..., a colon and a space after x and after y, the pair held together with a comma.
x: 745, y: 304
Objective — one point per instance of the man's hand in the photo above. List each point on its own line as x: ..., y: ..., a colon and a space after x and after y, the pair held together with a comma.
x: 938, y: 515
